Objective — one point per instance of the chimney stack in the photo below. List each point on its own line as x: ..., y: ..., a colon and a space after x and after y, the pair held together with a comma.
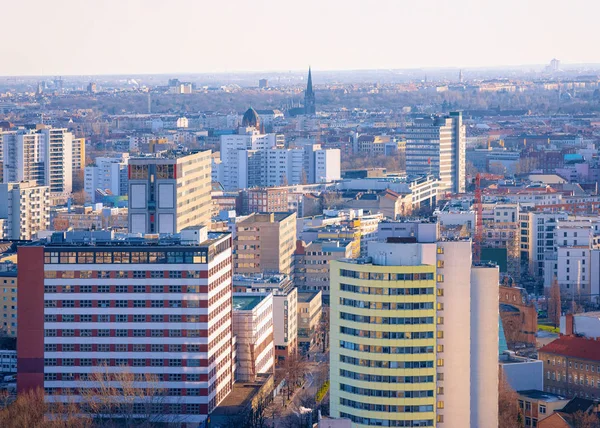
x: 569, y: 325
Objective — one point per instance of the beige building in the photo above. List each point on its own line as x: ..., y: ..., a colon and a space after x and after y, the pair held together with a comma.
x: 78, y: 155
x: 169, y: 193
x: 8, y: 300
x: 310, y: 306
x: 311, y: 269
x: 25, y: 209
x: 265, y: 243
x: 253, y: 330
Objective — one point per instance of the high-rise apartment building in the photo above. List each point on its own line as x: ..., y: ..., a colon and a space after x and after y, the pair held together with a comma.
x: 44, y: 154
x: 252, y: 159
x: 25, y: 209
x: 414, y: 335
x: 78, y: 155
x: 265, y: 243
x: 107, y: 175
x: 437, y: 145
x: 92, y: 305
x: 170, y: 192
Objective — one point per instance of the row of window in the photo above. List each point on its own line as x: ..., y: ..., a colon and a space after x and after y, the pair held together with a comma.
x: 110, y: 257
x: 377, y: 276
x: 386, y: 422
x: 124, y: 333
x: 135, y: 362
x: 385, y: 305
x: 104, y: 318
x: 136, y: 274
x: 386, y: 334
x: 126, y: 289
x: 141, y: 377
x: 386, y: 349
x: 121, y: 303
x: 143, y: 409
x: 384, y: 291
x: 385, y: 407
x: 385, y: 393
x: 579, y: 366
x: 386, y: 320
x: 386, y: 364
x: 385, y: 379
x: 122, y: 347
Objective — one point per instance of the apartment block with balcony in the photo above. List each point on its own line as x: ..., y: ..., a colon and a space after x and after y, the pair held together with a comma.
x: 25, y: 209
x: 413, y: 331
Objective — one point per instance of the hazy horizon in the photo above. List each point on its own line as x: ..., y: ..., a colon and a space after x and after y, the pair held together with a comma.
x: 125, y: 37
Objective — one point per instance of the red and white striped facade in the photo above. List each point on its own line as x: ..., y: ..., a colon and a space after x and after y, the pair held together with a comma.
x: 156, y: 307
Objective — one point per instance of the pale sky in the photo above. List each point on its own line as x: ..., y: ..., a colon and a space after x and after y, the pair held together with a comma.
x: 67, y: 37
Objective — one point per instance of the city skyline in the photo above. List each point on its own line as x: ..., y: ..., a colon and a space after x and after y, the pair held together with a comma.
x: 167, y: 39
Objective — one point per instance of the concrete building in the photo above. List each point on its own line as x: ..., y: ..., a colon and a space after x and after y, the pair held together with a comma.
x: 107, y: 174
x: 537, y: 234
x: 90, y: 304
x: 252, y: 159
x: 78, y: 156
x: 264, y: 200
x: 438, y: 145
x: 8, y: 301
x: 310, y: 306
x: 285, y: 304
x: 25, y: 209
x: 253, y: 331
x: 312, y: 263
x: 170, y: 192
x: 415, y: 311
x: 44, y: 155
x: 521, y: 373
x: 586, y: 324
x: 265, y: 243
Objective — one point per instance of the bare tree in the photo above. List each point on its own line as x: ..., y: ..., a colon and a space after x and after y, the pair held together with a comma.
x: 585, y: 420
x: 124, y: 397
x: 31, y: 410
x: 554, y: 304
x: 509, y: 415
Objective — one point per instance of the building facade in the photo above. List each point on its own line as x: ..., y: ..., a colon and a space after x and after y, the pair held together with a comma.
x: 159, y: 307
x: 8, y: 301
x: 253, y: 330
x: 169, y: 193
x: 25, y: 209
x: 108, y: 175
x: 265, y: 243
x: 437, y: 145
x: 413, y: 331
x: 310, y: 306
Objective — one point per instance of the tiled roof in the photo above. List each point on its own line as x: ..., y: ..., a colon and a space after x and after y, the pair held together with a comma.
x: 576, y: 347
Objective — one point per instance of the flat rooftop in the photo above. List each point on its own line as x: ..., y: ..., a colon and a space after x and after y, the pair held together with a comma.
x: 246, y: 303
x: 536, y: 394
x: 307, y: 296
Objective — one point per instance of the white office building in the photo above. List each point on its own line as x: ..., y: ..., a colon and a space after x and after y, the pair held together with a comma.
x: 108, y: 175
x: 25, y: 210
x: 437, y: 145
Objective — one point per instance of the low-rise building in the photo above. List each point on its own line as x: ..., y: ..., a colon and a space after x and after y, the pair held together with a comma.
x: 572, y: 366
x: 310, y: 307
x: 537, y: 405
x: 8, y: 300
x: 253, y: 330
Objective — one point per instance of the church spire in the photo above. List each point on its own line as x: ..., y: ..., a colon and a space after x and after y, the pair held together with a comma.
x: 309, y: 96
x: 309, y: 89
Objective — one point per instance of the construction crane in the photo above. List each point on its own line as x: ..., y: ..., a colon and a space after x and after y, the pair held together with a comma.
x: 478, y: 220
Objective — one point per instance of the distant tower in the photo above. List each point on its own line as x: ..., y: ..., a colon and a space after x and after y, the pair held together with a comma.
x: 149, y: 103
x: 309, y: 96
x: 460, y: 76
